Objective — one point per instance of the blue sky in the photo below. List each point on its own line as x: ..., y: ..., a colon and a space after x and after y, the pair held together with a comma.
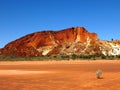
x: 21, y: 17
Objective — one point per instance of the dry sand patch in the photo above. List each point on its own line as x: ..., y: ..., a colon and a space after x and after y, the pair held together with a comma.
x: 20, y: 72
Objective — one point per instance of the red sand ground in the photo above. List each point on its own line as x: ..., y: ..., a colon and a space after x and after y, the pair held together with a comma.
x: 59, y: 75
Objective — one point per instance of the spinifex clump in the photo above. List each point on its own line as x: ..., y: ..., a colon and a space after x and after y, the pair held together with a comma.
x: 98, y: 74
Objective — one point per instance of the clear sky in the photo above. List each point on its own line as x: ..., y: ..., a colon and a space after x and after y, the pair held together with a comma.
x: 21, y: 17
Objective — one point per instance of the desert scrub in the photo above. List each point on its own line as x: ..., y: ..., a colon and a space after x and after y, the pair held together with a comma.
x: 98, y: 74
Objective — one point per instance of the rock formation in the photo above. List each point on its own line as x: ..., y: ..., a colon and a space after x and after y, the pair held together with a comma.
x: 75, y: 40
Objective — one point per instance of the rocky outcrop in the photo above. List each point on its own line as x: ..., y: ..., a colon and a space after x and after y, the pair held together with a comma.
x: 49, y: 42
x: 75, y: 40
x: 110, y: 48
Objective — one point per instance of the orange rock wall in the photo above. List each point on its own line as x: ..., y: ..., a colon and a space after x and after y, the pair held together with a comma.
x: 28, y: 44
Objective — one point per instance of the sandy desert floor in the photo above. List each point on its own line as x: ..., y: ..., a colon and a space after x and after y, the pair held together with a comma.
x: 59, y: 75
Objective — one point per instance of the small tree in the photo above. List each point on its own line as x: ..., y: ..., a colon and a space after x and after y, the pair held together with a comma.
x: 112, y: 39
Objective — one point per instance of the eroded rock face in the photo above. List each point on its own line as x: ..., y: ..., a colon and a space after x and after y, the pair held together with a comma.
x: 76, y: 40
x: 110, y: 48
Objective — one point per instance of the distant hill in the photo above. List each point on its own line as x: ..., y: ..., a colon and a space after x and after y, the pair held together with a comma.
x: 75, y: 40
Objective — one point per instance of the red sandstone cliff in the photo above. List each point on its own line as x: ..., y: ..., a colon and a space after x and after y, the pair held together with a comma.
x: 67, y: 41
